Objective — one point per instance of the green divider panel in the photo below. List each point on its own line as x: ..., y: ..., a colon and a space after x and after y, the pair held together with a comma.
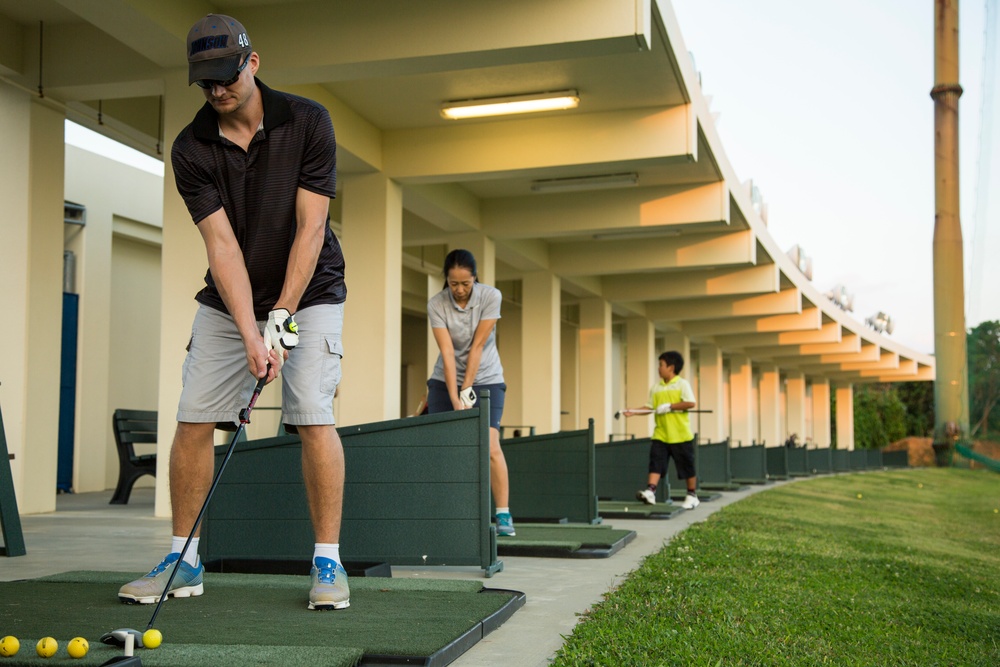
x: 797, y: 464
x: 820, y: 460
x: 777, y: 462
x: 874, y: 459
x: 10, y: 520
x: 841, y: 460
x: 714, y: 467
x: 899, y: 459
x: 552, y: 476
x: 713, y: 463
x: 417, y: 492
x: 623, y: 467
x: 749, y: 464
x: 859, y: 459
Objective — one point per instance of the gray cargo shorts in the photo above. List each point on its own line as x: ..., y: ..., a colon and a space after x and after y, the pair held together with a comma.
x: 217, y: 383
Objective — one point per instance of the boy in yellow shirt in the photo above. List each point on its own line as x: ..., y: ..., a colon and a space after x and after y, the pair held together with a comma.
x: 670, y: 399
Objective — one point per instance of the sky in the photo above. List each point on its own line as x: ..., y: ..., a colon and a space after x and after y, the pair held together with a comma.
x: 826, y: 107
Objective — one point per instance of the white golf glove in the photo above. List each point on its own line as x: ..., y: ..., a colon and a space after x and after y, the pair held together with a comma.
x: 281, y: 332
x: 663, y: 409
x: 467, y: 397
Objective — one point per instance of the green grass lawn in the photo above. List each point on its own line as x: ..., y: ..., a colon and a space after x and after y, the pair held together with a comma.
x: 877, y: 568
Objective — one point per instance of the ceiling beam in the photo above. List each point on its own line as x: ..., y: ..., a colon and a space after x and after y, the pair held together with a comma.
x: 808, y: 320
x: 641, y: 255
x: 498, y: 148
x: 692, y: 284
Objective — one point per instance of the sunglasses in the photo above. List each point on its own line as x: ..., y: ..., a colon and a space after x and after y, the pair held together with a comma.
x: 208, y: 84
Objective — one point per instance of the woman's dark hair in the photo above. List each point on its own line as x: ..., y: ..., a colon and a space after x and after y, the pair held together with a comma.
x: 673, y: 358
x: 462, y: 259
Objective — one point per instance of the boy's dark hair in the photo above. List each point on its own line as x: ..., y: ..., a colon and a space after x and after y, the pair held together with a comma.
x: 460, y: 258
x: 673, y: 358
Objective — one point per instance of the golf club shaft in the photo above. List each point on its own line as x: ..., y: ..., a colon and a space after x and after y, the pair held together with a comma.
x: 646, y: 411
x: 244, y: 420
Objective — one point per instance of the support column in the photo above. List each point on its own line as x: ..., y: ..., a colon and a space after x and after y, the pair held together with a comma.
x: 845, y: 416
x: 541, y: 325
x: 741, y: 425
x: 640, y: 372
x: 433, y: 287
x: 680, y: 343
x: 951, y: 381
x: 484, y: 250
x: 795, y: 395
x: 711, y: 427
x: 569, y: 378
x: 595, y: 366
x: 770, y: 405
x: 15, y: 152
x: 183, y: 266
x: 373, y: 239
x: 821, y: 412
x: 32, y: 156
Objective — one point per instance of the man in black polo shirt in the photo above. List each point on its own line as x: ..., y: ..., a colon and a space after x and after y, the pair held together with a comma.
x: 256, y: 169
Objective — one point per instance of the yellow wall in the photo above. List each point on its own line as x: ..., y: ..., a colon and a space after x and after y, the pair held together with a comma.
x: 118, y: 339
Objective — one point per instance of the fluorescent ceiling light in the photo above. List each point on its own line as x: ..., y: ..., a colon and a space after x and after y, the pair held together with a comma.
x: 500, y: 106
x: 627, y: 235
x: 599, y: 182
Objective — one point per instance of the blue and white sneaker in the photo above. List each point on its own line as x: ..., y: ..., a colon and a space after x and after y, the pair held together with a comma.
x: 148, y: 589
x: 505, y: 525
x: 329, y: 585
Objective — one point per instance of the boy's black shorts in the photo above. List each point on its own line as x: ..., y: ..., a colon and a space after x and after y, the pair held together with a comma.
x: 682, y: 453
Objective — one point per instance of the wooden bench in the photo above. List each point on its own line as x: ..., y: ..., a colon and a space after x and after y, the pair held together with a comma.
x: 132, y: 427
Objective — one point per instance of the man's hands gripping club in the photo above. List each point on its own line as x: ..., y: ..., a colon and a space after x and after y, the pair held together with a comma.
x: 281, y: 332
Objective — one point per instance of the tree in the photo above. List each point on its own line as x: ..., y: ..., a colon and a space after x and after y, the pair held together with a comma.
x: 918, y: 397
x: 879, y: 416
x: 983, y: 344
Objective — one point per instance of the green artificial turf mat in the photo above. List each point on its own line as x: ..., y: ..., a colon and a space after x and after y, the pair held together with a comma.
x: 703, y: 496
x: 564, y: 541
x: 625, y: 509
x: 262, y: 618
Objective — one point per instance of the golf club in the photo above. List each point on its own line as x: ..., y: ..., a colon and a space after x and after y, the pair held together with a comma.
x: 244, y: 420
x: 648, y: 411
x: 120, y: 636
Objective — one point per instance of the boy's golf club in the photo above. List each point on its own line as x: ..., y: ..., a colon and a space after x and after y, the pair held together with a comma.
x: 647, y: 411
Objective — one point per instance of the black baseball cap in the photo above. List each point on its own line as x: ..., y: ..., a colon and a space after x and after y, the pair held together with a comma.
x: 216, y: 46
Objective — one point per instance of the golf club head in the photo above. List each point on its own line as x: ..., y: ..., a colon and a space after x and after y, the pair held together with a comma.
x: 117, y: 637
x: 124, y: 661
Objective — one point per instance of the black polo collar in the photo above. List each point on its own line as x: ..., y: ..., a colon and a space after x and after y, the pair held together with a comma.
x: 276, y: 112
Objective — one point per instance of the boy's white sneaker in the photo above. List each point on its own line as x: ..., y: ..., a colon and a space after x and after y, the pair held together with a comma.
x: 646, y: 496
x: 690, y: 502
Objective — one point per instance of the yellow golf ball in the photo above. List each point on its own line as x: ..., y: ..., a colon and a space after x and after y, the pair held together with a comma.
x: 995, y: 511
x: 46, y: 647
x: 920, y: 486
x: 151, y: 638
x: 78, y: 647
x: 859, y: 496
x: 9, y: 646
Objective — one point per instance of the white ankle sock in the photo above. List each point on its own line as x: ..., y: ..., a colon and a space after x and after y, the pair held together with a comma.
x: 331, y: 551
x: 191, y: 555
x: 503, y: 510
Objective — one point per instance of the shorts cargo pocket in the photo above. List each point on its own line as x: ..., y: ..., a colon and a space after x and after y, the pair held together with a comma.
x: 186, y: 366
x: 331, y: 365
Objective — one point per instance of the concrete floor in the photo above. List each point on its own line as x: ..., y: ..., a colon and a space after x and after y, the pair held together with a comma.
x: 86, y: 533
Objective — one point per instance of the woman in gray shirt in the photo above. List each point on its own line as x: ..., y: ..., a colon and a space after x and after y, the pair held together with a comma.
x: 463, y: 317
